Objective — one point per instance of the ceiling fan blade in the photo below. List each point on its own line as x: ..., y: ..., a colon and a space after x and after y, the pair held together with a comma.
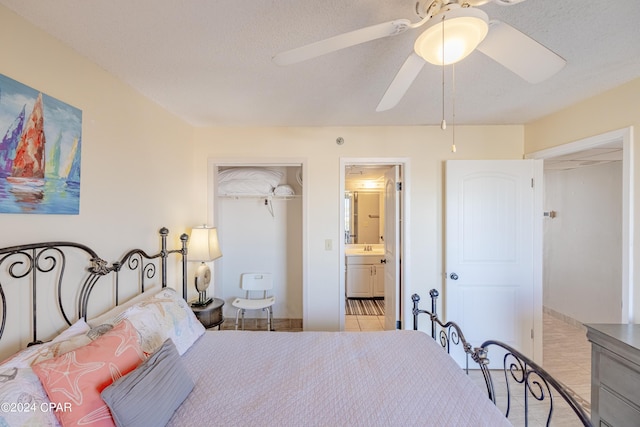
x: 401, y: 82
x: 520, y: 53
x: 342, y: 41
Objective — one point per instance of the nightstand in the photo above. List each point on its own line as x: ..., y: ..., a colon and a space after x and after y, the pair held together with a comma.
x: 211, y: 315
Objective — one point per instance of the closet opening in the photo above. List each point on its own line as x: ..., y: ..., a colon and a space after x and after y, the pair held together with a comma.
x: 258, y: 211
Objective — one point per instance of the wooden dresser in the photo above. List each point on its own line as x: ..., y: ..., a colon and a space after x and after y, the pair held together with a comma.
x: 615, y: 374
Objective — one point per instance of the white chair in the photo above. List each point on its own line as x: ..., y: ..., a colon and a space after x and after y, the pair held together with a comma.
x: 252, y: 284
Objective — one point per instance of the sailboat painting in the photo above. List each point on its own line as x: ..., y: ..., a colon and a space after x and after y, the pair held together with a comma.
x: 40, y: 150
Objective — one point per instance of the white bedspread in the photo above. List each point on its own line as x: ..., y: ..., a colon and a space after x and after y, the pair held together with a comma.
x: 394, y: 378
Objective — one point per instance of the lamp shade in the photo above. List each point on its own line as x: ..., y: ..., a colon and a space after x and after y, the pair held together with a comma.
x: 203, y: 244
x: 464, y: 29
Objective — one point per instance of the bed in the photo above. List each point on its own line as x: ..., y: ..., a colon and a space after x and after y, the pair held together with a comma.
x: 148, y: 361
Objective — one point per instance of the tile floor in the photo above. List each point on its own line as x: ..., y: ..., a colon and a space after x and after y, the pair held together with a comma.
x: 567, y: 355
x: 288, y: 325
x: 363, y: 323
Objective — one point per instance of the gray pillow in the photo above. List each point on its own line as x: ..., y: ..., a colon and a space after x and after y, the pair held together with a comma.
x: 150, y: 394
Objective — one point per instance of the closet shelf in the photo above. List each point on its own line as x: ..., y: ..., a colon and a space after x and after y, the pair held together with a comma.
x: 266, y: 196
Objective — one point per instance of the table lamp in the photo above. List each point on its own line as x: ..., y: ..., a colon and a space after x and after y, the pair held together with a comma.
x: 203, y: 247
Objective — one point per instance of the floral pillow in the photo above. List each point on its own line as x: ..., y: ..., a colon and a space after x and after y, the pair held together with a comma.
x: 24, y: 401
x: 73, y: 337
x: 176, y: 319
x: 160, y: 316
x: 74, y: 380
x: 147, y: 323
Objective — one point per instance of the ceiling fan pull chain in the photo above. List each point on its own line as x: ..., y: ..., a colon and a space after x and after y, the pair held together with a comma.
x: 453, y: 107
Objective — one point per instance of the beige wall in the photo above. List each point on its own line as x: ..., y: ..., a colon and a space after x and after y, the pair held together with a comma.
x: 136, y: 157
x: 135, y: 174
x: 143, y: 168
x: 425, y: 147
x: 616, y: 109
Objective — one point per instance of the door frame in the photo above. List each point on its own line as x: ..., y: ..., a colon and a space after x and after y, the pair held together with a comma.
x: 626, y: 135
x: 405, y: 226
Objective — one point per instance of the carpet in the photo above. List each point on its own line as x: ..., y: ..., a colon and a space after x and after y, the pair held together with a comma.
x: 364, y: 307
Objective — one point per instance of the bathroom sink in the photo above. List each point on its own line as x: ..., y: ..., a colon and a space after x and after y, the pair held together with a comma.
x: 360, y: 252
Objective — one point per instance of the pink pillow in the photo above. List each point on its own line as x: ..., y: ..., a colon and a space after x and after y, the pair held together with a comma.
x: 75, y: 380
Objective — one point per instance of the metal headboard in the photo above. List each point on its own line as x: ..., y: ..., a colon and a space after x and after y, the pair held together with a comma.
x: 47, y: 262
x: 535, y: 383
x: 38, y: 259
x: 138, y: 260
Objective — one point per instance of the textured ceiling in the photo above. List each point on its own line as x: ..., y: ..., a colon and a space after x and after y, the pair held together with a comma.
x: 606, y: 153
x: 209, y: 62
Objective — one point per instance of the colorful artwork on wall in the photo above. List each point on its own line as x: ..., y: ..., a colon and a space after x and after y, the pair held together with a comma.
x: 39, y: 152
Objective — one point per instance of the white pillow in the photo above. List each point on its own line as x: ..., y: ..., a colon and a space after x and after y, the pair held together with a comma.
x: 245, y: 187
x: 78, y: 328
x: 270, y: 176
x: 108, y: 316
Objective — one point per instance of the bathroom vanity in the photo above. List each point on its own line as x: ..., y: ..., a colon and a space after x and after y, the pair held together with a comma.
x: 365, y: 275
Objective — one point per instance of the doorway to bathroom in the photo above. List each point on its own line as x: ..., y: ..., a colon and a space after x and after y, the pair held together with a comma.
x: 371, y: 215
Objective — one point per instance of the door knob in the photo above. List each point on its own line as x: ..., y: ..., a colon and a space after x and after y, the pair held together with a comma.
x: 453, y: 276
x: 383, y: 261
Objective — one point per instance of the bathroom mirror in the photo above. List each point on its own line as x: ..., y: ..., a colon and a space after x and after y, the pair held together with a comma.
x: 363, y: 217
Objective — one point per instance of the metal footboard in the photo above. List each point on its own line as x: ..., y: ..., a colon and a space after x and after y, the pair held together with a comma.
x: 533, y: 380
x: 521, y: 375
x: 448, y: 334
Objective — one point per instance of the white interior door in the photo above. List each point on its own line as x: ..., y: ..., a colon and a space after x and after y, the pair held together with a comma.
x: 492, y: 286
x: 391, y: 247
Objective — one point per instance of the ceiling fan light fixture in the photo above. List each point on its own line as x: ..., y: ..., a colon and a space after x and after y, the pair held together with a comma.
x: 464, y: 30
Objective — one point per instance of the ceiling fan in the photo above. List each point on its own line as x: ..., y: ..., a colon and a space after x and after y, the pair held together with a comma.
x: 452, y: 30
